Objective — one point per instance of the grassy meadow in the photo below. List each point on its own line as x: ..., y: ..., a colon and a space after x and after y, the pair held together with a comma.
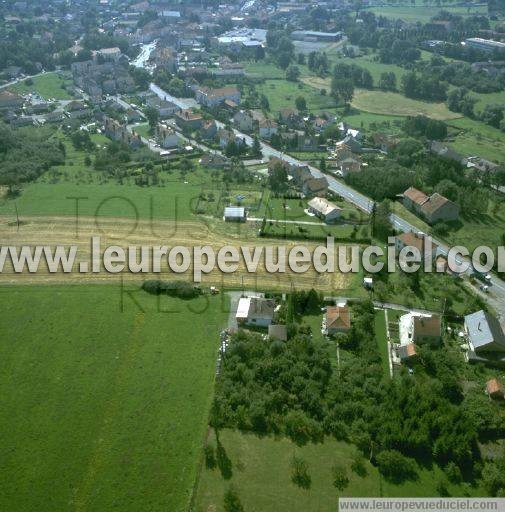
x: 48, y: 85
x: 105, y: 397
x: 261, y: 474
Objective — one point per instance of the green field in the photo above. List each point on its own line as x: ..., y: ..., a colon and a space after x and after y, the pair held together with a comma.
x: 474, y: 138
x: 424, y: 13
x: 392, y: 103
x: 282, y: 94
x: 48, y: 85
x: 104, y: 405
x: 261, y: 474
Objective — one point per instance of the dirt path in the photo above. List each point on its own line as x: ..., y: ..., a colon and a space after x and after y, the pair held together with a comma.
x: 58, y: 230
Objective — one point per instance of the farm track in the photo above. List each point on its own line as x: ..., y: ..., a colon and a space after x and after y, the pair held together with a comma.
x: 61, y: 230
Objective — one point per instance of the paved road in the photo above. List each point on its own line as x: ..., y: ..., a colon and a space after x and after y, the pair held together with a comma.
x: 496, y: 297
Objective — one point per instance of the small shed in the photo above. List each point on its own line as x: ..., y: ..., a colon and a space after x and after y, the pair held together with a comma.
x: 235, y: 214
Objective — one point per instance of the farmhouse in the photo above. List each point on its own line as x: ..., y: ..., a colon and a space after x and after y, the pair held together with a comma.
x: 323, y: 209
x: 255, y: 311
x: 235, y: 214
x: 267, y: 128
x: 337, y: 319
x: 433, y: 208
x: 208, y: 129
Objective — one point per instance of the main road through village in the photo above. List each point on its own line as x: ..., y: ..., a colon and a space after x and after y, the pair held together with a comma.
x: 496, y: 297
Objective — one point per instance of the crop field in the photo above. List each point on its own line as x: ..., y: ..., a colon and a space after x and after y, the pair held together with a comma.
x: 261, y: 474
x: 124, y: 232
x: 105, y: 397
x: 48, y: 85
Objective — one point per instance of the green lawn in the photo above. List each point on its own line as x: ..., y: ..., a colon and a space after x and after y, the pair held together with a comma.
x: 104, y: 405
x: 261, y: 474
x: 48, y: 85
x: 477, y: 138
x: 282, y: 94
x: 392, y: 103
x: 52, y: 194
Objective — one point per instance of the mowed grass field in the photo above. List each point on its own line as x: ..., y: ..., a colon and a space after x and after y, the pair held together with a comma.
x: 104, y: 397
x: 477, y: 138
x: 261, y: 475
x: 282, y: 94
x: 47, y: 85
x: 424, y: 13
x: 392, y: 103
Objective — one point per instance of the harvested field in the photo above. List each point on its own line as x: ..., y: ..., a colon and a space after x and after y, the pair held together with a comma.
x: 65, y: 231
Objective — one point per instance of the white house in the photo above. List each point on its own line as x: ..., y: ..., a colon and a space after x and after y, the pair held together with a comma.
x: 255, y: 311
x: 267, y: 128
x: 323, y: 209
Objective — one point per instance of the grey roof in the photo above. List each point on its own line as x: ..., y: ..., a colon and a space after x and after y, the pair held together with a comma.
x: 484, y: 331
x: 234, y: 211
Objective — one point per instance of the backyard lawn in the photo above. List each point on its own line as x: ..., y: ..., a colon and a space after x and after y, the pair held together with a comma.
x: 105, y: 397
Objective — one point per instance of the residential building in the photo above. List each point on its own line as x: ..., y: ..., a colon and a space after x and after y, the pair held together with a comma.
x: 433, y: 208
x: 337, y: 320
x: 323, y: 209
x: 227, y: 136
x: 163, y: 107
x: 208, y: 130
x: 267, y: 128
x: 10, y: 100
x: 419, y: 241
x: 188, y: 120
x: 235, y: 214
x: 427, y: 330
x: 255, y: 311
x: 244, y: 121
x: 116, y: 131
x: 167, y: 136
x: 214, y: 161
x: 420, y: 329
x: 486, y: 339
x: 213, y: 97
